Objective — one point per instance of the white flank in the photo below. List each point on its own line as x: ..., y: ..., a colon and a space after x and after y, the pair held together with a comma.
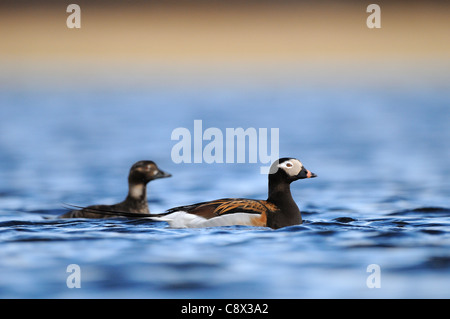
x: 182, y: 219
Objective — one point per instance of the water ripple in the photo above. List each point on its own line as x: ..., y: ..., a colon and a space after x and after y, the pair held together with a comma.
x: 172, y: 262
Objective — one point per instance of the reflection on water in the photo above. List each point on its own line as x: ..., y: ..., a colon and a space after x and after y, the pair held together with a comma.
x: 382, y: 195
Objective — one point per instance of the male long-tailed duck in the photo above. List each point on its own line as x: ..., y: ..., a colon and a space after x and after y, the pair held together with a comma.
x: 279, y: 210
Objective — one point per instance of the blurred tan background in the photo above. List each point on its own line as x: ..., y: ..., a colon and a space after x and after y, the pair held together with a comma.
x: 138, y: 44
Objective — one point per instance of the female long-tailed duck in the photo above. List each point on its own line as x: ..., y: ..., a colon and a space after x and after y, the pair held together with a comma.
x: 140, y: 174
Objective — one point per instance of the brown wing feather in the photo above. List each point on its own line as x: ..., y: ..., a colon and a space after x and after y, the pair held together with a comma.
x: 204, y: 209
x: 243, y: 205
x: 226, y: 206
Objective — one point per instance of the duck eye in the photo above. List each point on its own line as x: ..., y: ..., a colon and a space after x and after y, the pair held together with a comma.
x: 289, y: 164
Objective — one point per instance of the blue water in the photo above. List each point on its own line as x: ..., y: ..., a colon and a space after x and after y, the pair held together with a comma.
x: 382, y: 196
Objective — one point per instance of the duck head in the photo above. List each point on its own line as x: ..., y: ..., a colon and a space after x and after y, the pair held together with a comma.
x: 143, y: 172
x: 289, y: 170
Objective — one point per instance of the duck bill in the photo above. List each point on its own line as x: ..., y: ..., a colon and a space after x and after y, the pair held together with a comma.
x: 162, y: 174
x: 309, y: 174
x: 304, y: 173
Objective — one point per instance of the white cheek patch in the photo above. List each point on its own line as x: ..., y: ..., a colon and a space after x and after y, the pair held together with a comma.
x: 292, y: 167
